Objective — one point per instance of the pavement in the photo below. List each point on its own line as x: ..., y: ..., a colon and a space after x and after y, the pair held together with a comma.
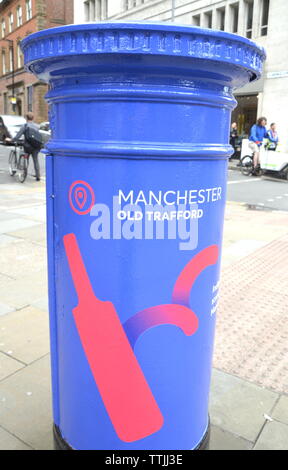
x: 249, y: 390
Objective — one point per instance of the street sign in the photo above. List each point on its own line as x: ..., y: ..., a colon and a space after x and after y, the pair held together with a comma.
x: 280, y: 74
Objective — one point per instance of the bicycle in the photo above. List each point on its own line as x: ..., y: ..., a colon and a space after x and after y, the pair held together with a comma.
x: 247, y: 164
x: 19, y: 163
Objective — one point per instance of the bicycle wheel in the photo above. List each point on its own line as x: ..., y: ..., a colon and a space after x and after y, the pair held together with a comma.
x: 12, y: 162
x: 246, y: 165
x: 22, y: 168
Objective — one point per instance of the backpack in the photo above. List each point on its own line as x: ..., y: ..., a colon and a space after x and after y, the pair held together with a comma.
x: 33, y: 137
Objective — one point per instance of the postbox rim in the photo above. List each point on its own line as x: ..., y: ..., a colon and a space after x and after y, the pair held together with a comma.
x: 142, y: 25
x: 142, y: 38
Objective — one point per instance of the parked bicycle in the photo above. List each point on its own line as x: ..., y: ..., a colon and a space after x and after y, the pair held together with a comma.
x: 19, y: 162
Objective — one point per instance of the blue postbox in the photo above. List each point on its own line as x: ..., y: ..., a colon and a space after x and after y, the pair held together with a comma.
x: 136, y: 188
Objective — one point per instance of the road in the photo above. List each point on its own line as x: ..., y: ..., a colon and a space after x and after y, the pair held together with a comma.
x: 263, y: 193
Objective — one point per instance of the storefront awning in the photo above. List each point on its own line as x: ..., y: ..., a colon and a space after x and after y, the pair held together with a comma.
x: 252, y: 88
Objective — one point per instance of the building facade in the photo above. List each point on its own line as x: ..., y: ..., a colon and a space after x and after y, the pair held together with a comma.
x: 20, y: 91
x: 263, y: 21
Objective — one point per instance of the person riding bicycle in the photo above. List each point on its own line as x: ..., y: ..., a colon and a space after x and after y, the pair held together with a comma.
x: 32, y: 141
x: 258, y: 133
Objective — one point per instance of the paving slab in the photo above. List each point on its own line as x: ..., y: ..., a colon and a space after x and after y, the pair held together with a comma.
x: 30, y: 186
x: 18, y: 201
x: 6, y: 240
x: 19, y: 293
x: 36, y: 234
x: 238, y: 406
x: 8, y: 365
x: 24, y: 334
x: 239, y: 249
x: 274, y: 436
x: 224, y: 440
x: 22, y: 258
x: 37, y: 212
x: 25, y: 405
x: 10, y: 442
x: 42, y: 303
x: 4, y: 309
x: 244, y: 228
x: 6, y: 216
x: 280, y: 412
x: 8, y: 226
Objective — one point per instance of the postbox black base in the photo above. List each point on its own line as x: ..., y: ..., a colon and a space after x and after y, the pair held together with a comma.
x: 61, y: 444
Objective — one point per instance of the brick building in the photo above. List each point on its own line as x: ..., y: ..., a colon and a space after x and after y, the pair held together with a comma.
x: 21, y: 92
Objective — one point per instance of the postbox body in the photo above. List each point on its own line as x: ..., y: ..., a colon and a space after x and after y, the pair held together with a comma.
x: 136, y: 189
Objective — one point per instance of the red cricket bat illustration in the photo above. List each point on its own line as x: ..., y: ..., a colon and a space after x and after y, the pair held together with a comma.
x: 125, y: 392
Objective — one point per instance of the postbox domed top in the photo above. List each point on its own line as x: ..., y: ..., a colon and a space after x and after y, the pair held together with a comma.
x: 52, y: 45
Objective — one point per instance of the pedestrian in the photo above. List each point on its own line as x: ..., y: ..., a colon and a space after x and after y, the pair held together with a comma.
x: 258, y: 133
x: 233, y: 136
x: 272, y: 136
x: 32, y: 141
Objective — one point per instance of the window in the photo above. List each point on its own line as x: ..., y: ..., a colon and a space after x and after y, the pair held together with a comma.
x: 127, y: 4
x: 19, y: 16
x: 221, y: 19
x: 98, y: 10
x: 196, y: 20
x: 104, y: 9
x: 5, y: 100
x: 90, y: 10
x: 3, y: 63
x: 87, y: 11
x: 264, y: 17
x: 95, y: 9
x: 19, y: 57
x: 3, y: 28
x: 249, y: 18
x: 11, y: 22
x: 30, y: 99
x: 234, y: 17
x: 208, y: 19
x: 28, y: 10
x: 11, y: 60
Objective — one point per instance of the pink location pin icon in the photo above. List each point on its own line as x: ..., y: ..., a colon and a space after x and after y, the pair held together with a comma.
x: 81, y: 197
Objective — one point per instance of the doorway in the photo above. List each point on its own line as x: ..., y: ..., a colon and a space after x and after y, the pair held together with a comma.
x: 245, y: 115
x: 19, y: 107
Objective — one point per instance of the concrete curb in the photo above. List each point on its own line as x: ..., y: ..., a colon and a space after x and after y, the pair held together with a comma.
x: 232, y: 165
